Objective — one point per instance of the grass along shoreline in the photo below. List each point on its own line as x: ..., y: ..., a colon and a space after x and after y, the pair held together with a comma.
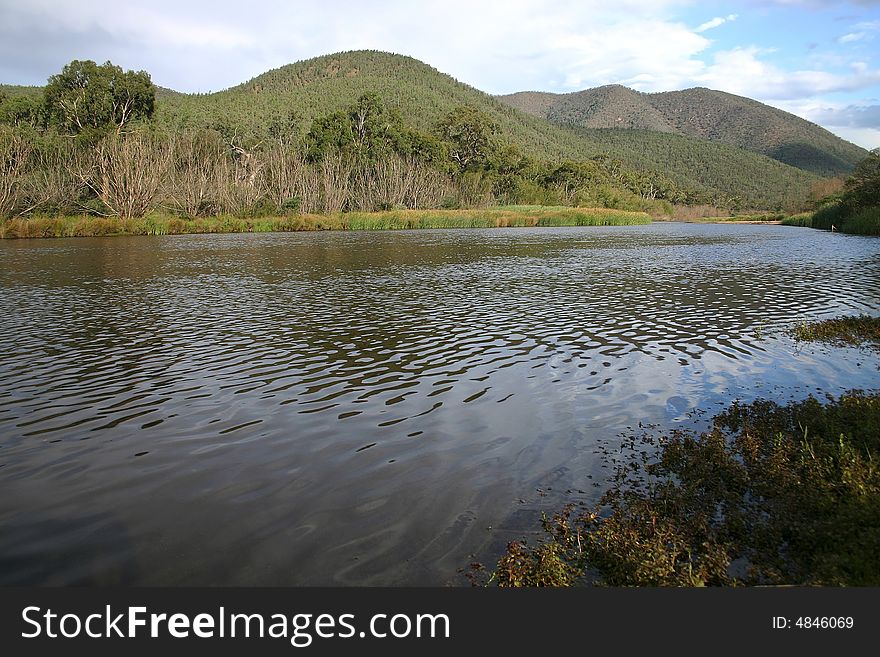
x: 162, y: 224
x: 848, y: 330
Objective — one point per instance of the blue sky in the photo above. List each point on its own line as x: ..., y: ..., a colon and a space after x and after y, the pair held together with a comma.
x: 817, y: 59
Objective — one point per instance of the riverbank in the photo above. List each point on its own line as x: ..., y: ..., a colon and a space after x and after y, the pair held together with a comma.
x: 160, y: 224
x: 864, y: 222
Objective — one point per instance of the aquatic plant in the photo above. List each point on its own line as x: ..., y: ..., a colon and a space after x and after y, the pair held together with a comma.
x: 772, y: 494
x: 854, y: 330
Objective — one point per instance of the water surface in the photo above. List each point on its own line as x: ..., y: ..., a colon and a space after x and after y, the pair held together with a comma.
x: 373, y: 408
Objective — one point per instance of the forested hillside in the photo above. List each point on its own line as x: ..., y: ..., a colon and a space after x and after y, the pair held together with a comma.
x: 369, y: 107
x: 297, y: 93
x: 715, y: 169
x: 703, y: 113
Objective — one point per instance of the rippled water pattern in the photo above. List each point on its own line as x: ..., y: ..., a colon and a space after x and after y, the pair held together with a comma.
x: 372, y: 408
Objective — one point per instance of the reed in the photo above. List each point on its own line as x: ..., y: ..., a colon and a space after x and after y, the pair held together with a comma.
x: 863, y: 222
x: 162, y: 224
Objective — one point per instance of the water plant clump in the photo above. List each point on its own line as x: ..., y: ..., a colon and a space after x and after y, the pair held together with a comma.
x: 771, y: 495
x: 853, y: 330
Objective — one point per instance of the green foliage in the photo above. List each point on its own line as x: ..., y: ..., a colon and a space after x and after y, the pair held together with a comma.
x: 700, y: 171
x: 695, y: 171
x: 89, y: 99
x: 864, y: 222
x: 857, y: 209
x: 771, y: 495
x: 469, y: 133
x: 22, y: 110
x: 352, y: 115
x: 854, y: 330
x: 862, y: 188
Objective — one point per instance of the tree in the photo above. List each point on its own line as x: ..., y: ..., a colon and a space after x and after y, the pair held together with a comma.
x: 87, y: 98
x: 366, y: 131
x: 862, y: 188
x: 21, y: 110
x: 469, y: 133
x: 125, y: 172
x: 15, y: 153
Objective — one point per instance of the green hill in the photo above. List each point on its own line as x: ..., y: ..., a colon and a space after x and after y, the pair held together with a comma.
x: 294, y: 95
x: 738, y: 178
x: 316, y: 87
x: 703, y: 113
x: 423, y: 95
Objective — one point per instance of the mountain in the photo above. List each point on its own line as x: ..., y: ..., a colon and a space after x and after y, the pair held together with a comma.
x: 318, y: 86
x: 702, y: 113
x: 295, y: 94
x: 314, y: 87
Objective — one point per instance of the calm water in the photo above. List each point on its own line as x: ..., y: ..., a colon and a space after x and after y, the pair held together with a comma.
x: 373, y: 408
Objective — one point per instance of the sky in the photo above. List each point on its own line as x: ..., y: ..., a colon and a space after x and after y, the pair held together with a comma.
x: 818, y: 59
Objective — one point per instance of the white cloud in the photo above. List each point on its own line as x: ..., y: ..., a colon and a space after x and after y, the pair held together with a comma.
x: 715, y: 22
x: 644, y: 54
x: 858, y: 123
x: 498, y: 46
x: 741, y: 71
x: 852, y: 36
x: 868, y: 138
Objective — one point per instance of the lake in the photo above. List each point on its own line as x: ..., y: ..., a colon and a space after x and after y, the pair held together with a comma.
x: 375, y: 408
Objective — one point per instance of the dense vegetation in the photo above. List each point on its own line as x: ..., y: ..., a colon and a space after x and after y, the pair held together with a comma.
x: 353, y: 131
x: 727, y: 175
x: 770, y: 495
x: 701, y: 113
x: 162, y: 224
x: 856, y: 330
x: 854, y: 207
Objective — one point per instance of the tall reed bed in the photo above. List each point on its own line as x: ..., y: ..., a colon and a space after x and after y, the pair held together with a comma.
x: 863, y: 222
x: 158, y: 224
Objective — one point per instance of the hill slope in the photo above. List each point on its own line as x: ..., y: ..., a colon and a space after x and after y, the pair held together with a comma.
x: 423, y: 95
x: 318, y: 86
x: 298, y: 93
x: 702, y: 113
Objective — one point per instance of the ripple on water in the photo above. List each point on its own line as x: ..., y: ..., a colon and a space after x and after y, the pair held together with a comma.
x: 376, y: 388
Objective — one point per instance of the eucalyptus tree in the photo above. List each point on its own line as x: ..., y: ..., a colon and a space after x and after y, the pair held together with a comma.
x: 88, y: 99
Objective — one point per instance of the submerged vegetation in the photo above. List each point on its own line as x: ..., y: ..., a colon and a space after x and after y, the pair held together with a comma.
x: 158, y: 224
x: 856, y: 330
x: 770, y: 495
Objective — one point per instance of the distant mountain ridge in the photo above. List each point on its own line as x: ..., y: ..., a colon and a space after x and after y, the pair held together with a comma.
x: 702, y: 113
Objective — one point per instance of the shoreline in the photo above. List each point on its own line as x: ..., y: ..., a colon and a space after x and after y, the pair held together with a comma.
x: 164, y: 224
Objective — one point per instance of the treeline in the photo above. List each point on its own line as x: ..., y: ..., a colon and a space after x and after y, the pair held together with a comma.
x: 852, y: 205
x: 91, y: 145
